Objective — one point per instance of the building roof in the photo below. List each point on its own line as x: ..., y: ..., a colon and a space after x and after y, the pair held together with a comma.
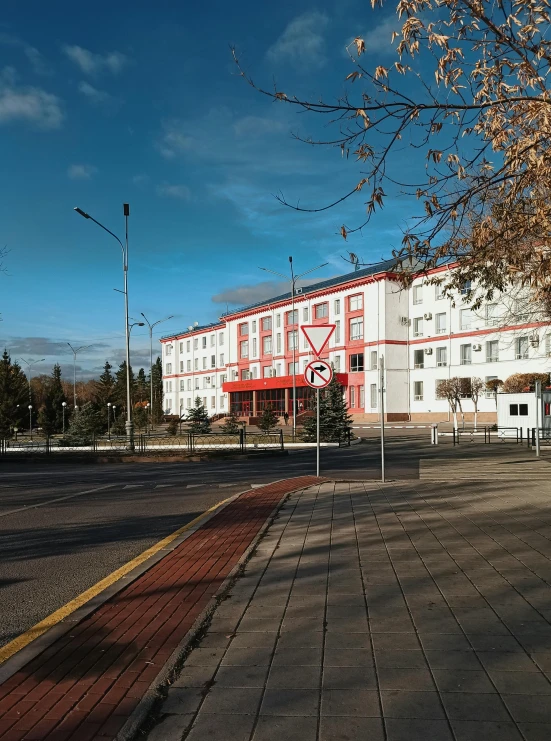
x: 212, y: 325
x: 381, y: 267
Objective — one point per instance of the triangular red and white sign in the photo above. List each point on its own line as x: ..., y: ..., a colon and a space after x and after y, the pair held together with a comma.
x: 317, y: 335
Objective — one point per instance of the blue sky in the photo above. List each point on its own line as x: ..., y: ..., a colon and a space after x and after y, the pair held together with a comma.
x: 139, y: 102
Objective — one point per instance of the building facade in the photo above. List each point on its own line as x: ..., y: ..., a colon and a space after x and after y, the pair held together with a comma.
x: 247, y: 359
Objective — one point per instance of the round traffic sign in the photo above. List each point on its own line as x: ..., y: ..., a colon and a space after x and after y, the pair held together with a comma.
x: 318, y: 374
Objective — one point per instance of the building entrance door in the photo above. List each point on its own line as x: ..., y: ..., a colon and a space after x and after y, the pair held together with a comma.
x: 246, y: 409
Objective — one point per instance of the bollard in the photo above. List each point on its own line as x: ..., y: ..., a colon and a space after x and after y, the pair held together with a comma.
x: 434, y: 435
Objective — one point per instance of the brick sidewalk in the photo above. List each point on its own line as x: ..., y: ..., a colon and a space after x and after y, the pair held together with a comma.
x: 88, y: 682
x: 406, y: 612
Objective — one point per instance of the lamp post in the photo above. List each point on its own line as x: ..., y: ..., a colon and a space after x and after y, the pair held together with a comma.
x: 29, y: 364
x: 124, y: 248
x: 294, y: 279
x: 76, y: 350
x: 109, y: 405
x: 63, y: 405
x: 159, y: 321
x: 31, y: 420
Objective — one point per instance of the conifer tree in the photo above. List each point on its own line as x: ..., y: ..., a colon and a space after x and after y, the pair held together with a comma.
x: 335, y: 422
x: 142, y: 387
x: 231, y: 423
x: 85, y: 424
x: 50, y: 416
x: 157, y: 391
x: 14, y: 396
x: 104, y: 388
x: 119, y: 390
x: 268, y: 419
x: 198, y: 417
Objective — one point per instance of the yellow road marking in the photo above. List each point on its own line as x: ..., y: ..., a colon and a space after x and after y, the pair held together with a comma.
x: 37, y: 630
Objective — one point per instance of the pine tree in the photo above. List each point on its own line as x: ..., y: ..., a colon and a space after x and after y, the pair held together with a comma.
x: 119, y: 389
x: 268, y: 419
x: 85, y: 424
x: 231, y: 423
x: 50, y: 416
x: 142, y: 387
x: 335, y: 422
x: 157, y: 391
x: 104, y: 389
x: 198, y: 417
x: 14, y: 396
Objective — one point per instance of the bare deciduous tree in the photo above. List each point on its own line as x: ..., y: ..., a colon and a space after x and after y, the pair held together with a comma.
x: 469, y: 89
x: 477, y: 385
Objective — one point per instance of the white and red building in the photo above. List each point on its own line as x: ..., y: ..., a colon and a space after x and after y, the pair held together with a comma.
x: 245, y: 360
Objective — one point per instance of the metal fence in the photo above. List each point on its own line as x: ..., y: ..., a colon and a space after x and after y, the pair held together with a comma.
x: 487, y: 435
x: 188, y: 442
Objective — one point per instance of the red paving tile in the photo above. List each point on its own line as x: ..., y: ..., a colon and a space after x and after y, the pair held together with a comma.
x: 86, y: 685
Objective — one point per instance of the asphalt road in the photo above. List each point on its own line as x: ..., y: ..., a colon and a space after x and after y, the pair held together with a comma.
x: 63, y: 527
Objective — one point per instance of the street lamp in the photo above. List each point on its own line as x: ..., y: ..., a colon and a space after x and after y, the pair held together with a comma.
x: 109, y: 405
x: 159, y: 321
x: 63, y: 405
x: 124, y: 248
x: 31, y: 420
x: 76, y: 350
x: 30, y: 364
x: 294, y: 279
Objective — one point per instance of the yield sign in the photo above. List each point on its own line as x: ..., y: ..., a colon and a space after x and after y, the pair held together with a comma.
x: 318, y: 374
x: 318, y: 335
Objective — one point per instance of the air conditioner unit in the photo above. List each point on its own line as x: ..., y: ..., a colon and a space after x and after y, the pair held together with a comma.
x: 428, y: 351
x: 427, y: 316
x: 404, y: 321
x: 477, y: 348
x: 298, y: 290
x: 534, y: 340
x: 271, y: 373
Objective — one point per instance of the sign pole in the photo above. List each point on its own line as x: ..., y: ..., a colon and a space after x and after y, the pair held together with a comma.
x: 318, y: 432
x: 538, y: 402
x: 382, y: 405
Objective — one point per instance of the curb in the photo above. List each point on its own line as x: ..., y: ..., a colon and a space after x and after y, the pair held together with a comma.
x: 139, y: 716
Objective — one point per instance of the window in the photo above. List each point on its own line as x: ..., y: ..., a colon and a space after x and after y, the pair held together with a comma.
x: 188, y: 403
x: 465, y: 355
x: 521, y: 348
x: 293, y: 369
x: 352, y: 397
x: 267, y: 323
x: 254, y: 347
x: 373, y: 396
x: 169, y: 405
x: 439, y: 292
x: 196, y: 384
x: 244, y: 349
x: 356, y: 362
x: 362, y: 396
x: 223, y: 378
x: 305, y: 314
x: 204, y: 364
x: 292, y: 340
x: 337, y: 363
x: 212, y: 340
x: 418, y: 391
x: 417, y: 294
x: 181, y: 347
x: 373, y: 360
x: 267, y: 345
x: 206, y: 382
x: 278, y: 344
x: 278, y: 369
x: 221, y: 338
x: 196, y: 343
x: 245, y: 375
x: 492, y: 351
x: 305, y: 343
x: 357, y: 328
x: 489, y: 394
x: 169, y: 349
x: 213, y: 361
x: 243, y: 329
x: 304, y: 364
x: 418, y: 327
x: 438, y: 388
x: 182, y: 385
x: 418, y: 359
x: 189, y: 384
x: 188, y: 345
x: 205, y: 401
x: 181, y: 366
x: 491, y: 315
x: 203, y: 342
x: 518, y: 410
x: 337, y: 335
x: 278, y: 320
x: 168, y: 368
x: 548, y: 345
x: 221, y: 402
x: 292, y: 317
x: 441, y: 357
x: 466, y: 319
x: 321, y: 310
x: 466, y: 288
x: 356, y: 302
x: 254, y: 326
x: 267, y: 371
x: 221, y: 359
x: 188, y: 366
x: 337, y: 306
x: 441, y: 323
x: 255, y: 372
x: 196, y: 364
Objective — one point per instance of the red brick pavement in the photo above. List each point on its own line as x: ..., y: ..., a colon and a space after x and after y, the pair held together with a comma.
x: 85, y: 686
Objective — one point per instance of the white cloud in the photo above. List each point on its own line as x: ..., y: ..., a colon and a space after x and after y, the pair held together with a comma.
x: 378, y: 39
x: 93, y: 64
x: 98, y: 97
x: 181, y: 192
x: 81, y: 172
x: 30, y: 104
x: 174, y: 140
x: 302, y: 43
x: 257, y: 126
x: 37, y: 61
